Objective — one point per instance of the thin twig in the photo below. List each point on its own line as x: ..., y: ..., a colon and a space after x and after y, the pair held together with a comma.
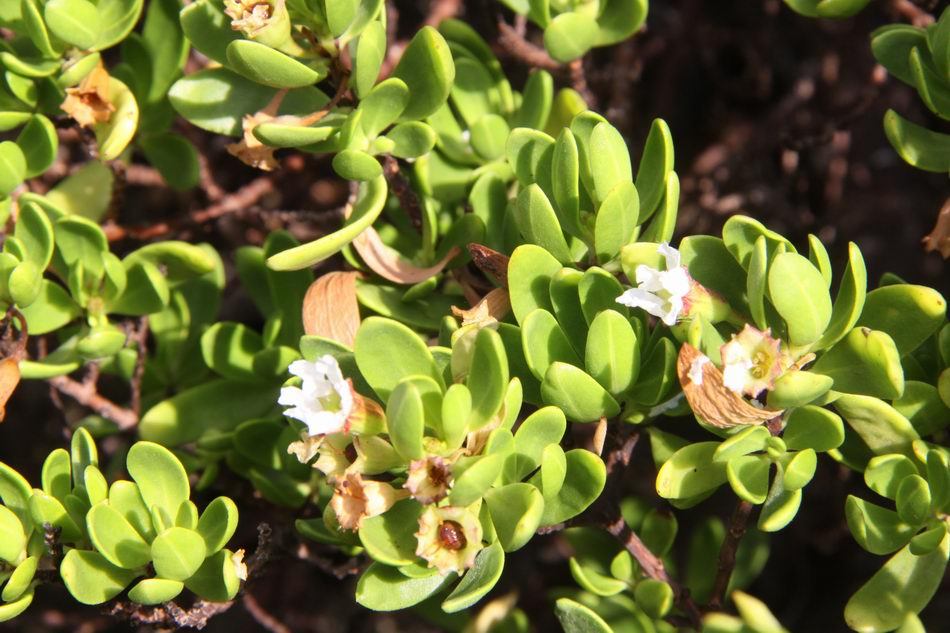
x: 245, y: 197
x: 518, y: 47
x: 140, y: 336
x: 86, y: 394
x: 579, y: 82
x: 262, y: 616
x: 727, y: 553
x: 400, y: 187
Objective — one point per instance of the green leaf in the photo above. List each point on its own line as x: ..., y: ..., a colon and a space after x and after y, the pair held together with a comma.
x: 174, y: 157
x: 87, y: 192
x: 488, y: 378
x: 516, y: 511
x: 208, y: 29
x: 216, y: 580
x: 576, y: 618
x: 369, y: 204
x: 117, y: 17
x: 881, y: 427
x: 541, y: 429
x: 690, y: 472
x: 565, y: 165
x: 800, y: 469
x: 570, y: 35
x: 384, y: 588
x: 612, y: 355
x: 380, y: 340
x: 850, y: 300
x: 39, y: 143
x: 903, y: 586
x: 544, y: 343
x: 656, y: 164
x: 539, y: 224
x: 616, y: 221
x: 217, y: 100
x: 583, y: 483
x: 913, y: 500
x: 411, y: 139
x: 12, y: 167
x: 406, y: 420
x: 217, y: 523
x: 780, y: 507
x: 892, y: 45
x: 609, y: 160
x: 155, y: 590
x: 13, y: 543
x: 618, y: 20
x: 577, y: 393
x: 45, y: 509
x: 76, y: 22
x: 177, y: 553
x: 218, y: 404
x: 917, y: 145
x: 864, y: 362
x: 908, y: 314
x: 91, y: 579
x: 427, y: 69
x: 114, y: 135
x: 390, y: 538
x: 876, y: 529
x: 798, y: 388
x: 813, y: 427
x: 20, y: 580
x: 749, y: 477
x: 229, y: 349
x: 368, y: 58
x: 478, y: 581
x: 264, y: 65
x: 799, y: 293
x: 125, y: 498
x: 477, y: 477
x: 160, y: 476
x: 115, y: 538
x: 529, y: 276
x: 748, y: 440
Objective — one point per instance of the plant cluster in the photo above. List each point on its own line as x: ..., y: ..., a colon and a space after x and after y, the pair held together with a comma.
x: 503, y: 320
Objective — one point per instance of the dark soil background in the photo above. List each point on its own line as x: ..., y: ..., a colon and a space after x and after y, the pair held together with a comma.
x: 774, y: 115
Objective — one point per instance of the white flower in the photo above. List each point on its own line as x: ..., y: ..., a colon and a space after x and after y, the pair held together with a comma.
x: 324, y: 401
x: 660, y: 292
x: 751, y: 361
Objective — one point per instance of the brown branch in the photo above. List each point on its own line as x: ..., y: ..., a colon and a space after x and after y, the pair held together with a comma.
x: 85, y: 393
x: 140, y: 336
x: 170, y: 614
x: 245, y: 197
x: 609, y: 506
x: 579, y: 82
x: 441, y: 10
x: 515, y: 45
x: 727, y: 553
x: 262, y: 616
x: 400, y: 187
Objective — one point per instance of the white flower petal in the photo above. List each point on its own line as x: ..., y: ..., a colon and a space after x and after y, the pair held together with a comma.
x: 696, y: 369
x: 671, y: 254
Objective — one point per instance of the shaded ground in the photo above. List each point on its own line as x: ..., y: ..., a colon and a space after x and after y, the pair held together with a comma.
x: 774, y: 115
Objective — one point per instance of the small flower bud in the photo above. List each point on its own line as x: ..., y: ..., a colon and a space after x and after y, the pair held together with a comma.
x: 356, y: 499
